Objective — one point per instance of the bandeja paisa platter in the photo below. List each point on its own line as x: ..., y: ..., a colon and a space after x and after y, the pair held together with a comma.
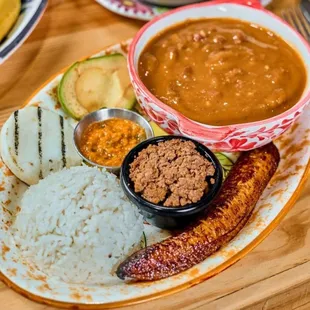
x: 101, y: 207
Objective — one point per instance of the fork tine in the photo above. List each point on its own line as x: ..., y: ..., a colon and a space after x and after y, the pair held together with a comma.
x: 284, y: 16
x: 297, y: 20
x: 304, y: 22
x: 289, y: 13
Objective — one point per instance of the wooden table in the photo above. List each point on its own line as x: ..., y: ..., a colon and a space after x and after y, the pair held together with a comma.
x: 275, y: 275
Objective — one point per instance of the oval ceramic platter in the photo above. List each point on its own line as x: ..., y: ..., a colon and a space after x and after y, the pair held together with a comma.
x: 275, y: 202
x: 30, y: 14
x: 140, y: 10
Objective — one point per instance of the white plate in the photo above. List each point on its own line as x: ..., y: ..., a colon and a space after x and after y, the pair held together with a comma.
x: 275, y: 202
x: 30, y: 14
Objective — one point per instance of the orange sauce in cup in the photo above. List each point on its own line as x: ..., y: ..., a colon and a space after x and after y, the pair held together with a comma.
x: 107, y: 142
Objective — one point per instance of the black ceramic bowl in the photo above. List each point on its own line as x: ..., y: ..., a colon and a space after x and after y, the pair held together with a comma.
x: 170, y: 217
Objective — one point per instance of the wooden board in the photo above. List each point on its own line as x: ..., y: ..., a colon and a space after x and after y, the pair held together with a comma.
x: 275, y: 275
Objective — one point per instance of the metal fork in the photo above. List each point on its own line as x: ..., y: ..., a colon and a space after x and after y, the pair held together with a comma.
x: 296, y: 18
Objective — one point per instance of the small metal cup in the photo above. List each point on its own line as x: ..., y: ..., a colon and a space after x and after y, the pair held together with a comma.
x: 102, y: 115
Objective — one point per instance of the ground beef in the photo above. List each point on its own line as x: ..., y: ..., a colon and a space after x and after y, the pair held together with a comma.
x: 172, y: 173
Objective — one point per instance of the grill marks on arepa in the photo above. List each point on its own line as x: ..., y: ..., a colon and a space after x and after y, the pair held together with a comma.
x: 36, y: 142
x: 16, y: 132
x: 63, y: 145
x: 40, y: 140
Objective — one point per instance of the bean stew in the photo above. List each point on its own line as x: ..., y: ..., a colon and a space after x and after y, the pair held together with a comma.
x: 222, y: 71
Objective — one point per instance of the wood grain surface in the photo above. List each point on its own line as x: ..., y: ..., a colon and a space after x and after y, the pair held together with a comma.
x: 276, y: 275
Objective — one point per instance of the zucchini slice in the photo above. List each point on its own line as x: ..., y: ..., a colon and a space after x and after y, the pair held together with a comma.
x: 96, y: 83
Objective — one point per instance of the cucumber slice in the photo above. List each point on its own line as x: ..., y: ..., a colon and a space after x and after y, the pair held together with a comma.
x: 96, y: 83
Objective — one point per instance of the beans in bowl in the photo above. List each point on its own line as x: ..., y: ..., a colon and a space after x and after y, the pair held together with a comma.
x: 222, y: 71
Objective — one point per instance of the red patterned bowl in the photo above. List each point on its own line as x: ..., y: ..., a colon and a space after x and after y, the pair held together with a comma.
x: 239, y: 137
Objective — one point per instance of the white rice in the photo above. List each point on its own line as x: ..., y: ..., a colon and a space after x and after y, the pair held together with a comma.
x: 77, y: 224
